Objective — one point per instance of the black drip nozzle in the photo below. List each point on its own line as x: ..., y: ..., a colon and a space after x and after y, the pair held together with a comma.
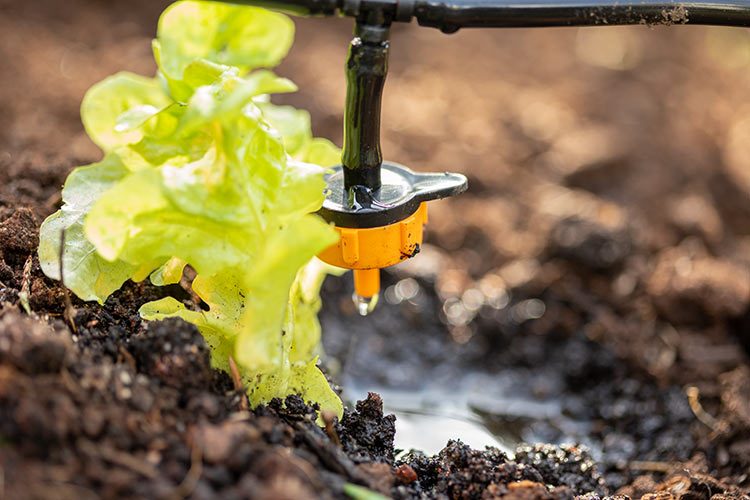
x: 366, y: 70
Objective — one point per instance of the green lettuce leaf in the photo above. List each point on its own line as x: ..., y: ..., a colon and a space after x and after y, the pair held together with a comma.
x: 293, y: 124
x: 168, y: 273
x: 87, y: 273
x: 113, y: 109
x: 275, y: 337
x: 321, y: 152
x: 270, y: 280
x: 203, y: 171
x: 304, y: 379
x: 295, y: 128
x: 210, y: 38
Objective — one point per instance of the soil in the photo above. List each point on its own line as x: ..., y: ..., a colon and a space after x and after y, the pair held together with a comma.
x: 599, y: 263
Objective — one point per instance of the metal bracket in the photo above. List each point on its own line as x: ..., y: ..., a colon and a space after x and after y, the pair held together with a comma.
x: 400, y: 195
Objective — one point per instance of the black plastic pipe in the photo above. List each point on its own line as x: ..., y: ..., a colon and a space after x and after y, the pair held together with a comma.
x: 295, y: 7
x: 450, y: 16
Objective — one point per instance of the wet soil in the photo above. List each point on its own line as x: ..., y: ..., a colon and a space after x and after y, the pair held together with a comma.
x: 597, y: 271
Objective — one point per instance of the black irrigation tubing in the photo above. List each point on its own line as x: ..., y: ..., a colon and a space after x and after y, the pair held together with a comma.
x: 449, y: 16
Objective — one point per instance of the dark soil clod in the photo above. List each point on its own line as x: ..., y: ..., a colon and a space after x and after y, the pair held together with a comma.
x: 570, y: 466
x: 366, y: 434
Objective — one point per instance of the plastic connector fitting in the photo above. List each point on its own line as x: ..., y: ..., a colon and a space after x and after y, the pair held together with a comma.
x: 367, y: 250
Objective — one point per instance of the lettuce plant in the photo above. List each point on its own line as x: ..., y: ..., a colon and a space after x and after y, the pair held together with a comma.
x: 201, y: 169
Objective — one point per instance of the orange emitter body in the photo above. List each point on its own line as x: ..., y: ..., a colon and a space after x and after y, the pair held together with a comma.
x: 367, y: 250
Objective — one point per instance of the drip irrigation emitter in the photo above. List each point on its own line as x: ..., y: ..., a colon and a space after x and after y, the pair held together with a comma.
x: 379, y: 208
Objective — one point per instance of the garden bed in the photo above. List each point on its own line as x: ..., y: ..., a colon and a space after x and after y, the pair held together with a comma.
x: 592, y: 286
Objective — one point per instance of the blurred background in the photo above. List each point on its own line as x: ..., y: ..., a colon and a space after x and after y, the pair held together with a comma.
x: 598, y: 266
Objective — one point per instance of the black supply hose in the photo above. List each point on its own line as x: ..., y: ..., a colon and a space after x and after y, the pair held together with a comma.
x: 449, y: 16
